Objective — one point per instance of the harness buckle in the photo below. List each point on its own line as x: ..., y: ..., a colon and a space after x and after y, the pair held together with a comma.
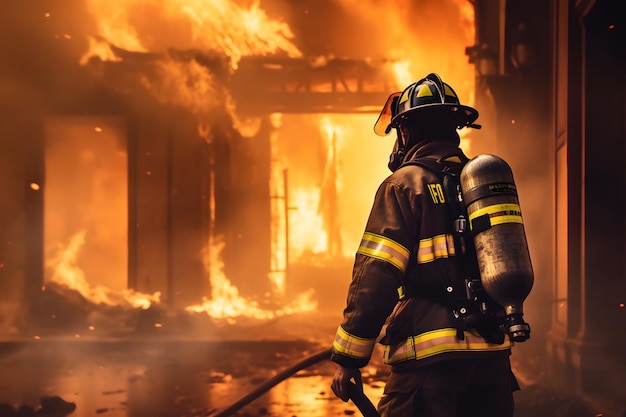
x: 460, y: 324
x: 474, y: 290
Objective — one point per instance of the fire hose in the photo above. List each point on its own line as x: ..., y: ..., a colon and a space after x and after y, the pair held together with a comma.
x: 357, y: 396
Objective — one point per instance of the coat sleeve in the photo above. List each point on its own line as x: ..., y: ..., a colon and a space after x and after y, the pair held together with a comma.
x: 379, y: 267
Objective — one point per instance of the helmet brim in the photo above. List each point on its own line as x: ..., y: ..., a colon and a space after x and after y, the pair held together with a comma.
x: 459, y: 114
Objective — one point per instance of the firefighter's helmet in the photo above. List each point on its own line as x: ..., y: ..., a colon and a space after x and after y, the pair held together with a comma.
x: 428, y: 97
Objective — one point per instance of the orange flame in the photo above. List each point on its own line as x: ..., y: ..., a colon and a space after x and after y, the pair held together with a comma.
x: 98, y: 48
x: 197, y: 93
x: 226, y: 303
x: 68, y: 273
x: 215, y: 25
x: 313, y: 220
x: 254, y: 33
x: 307, y: 223
x: 402, y: 71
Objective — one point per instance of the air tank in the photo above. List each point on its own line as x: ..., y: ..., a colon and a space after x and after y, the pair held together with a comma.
x: 495, y: 222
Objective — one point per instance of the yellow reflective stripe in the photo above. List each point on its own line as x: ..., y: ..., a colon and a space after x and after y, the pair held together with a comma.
x: 499, y: 214
x: 440, y: 246
x: 453, y: 158
x: 401, y: 292
x: 353, y: 346
x: 439, y: 341
x: 385, y: 249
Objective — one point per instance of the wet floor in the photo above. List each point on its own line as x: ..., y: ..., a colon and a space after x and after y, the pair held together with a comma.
x: 161, y: 378
x: 170, y: 377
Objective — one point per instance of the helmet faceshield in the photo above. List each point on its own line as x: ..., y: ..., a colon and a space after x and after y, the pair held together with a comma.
x: 382, y: 127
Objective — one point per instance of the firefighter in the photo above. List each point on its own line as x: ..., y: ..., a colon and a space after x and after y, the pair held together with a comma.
x: 447, y: 358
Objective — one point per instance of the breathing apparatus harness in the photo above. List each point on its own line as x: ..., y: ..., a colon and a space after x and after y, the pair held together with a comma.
x: 464, y: 295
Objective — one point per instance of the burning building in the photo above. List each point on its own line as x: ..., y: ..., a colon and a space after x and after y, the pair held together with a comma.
x: 208, y: 161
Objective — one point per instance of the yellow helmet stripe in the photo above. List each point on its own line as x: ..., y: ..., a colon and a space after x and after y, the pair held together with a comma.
x: 440, y: 246
x: 439, y: 341
x: 499, y: 214
x: 404, y: 97
x: 385, y: 249
x: 448, y: 91
x: 424, y: 91
x: 353, y: 346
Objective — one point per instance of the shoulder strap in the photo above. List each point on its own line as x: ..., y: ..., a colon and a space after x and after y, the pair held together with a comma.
x: 431, y: 164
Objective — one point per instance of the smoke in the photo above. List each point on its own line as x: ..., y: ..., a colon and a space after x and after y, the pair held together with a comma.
x: 430, y: 35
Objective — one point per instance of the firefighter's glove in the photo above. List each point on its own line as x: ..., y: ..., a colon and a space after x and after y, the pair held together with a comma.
x: 341, y: 382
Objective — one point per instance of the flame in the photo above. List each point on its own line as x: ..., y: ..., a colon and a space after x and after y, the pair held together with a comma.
x: 403, y: 73
x: 279, y: 211
x: 221, y: 29
x: 225, y: 301
x: 313, y: 224
x: 306, y: 223
x: 114, y: 24
x: 418, y: 38
x: 215, y: 25
x: 98, y: 48
x: 331, y: 187
x: 197, y: 93
x: 68, y: 273
x: 254, y: 33
x: 332, y: 135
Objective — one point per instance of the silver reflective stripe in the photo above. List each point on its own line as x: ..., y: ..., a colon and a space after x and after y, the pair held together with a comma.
x: 399, y: 353
x: 440, y: 246
x: 439, y: 341
x: 385, y: 249
x: 353, y: 346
